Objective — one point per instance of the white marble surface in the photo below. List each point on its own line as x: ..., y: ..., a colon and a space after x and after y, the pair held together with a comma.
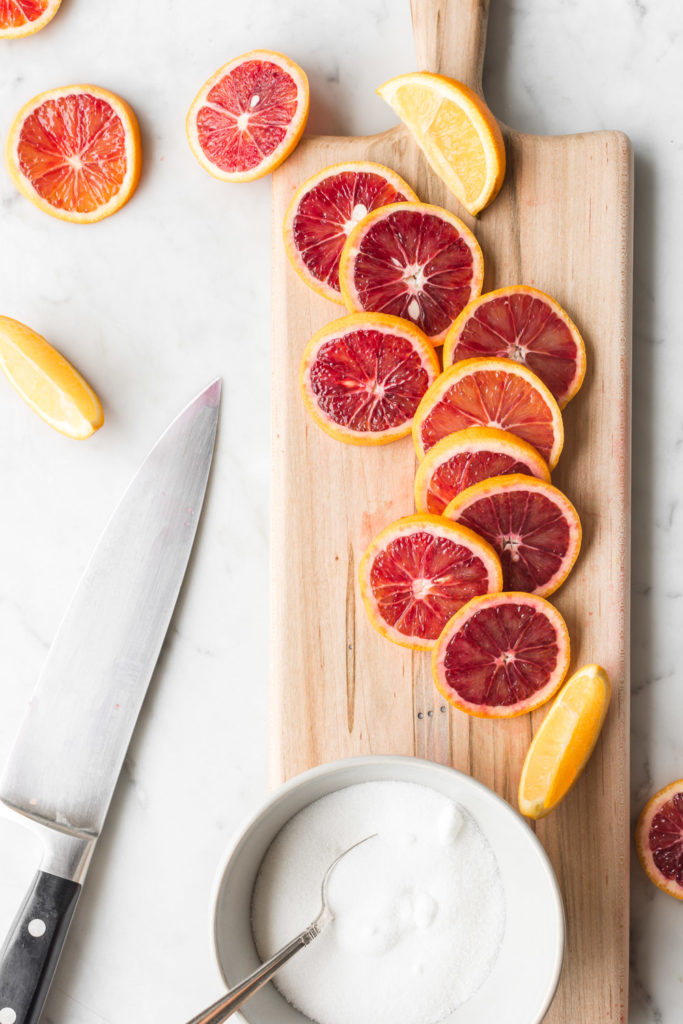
x: 174, y: 289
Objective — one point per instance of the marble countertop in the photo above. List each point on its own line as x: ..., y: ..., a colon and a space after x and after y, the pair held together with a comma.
x: 153, y: 303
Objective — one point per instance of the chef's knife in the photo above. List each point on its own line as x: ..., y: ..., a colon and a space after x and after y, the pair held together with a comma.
x: 66, y: 759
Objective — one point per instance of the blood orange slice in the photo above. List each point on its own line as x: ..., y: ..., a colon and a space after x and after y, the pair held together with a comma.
x: 534, y: 529
x: 659, y: 839
x: 363, y: 376
x: 326, y: 208
x: 418, y: 571
x: 501, y: 655
x: 24, y: 17
x: 412, y: 260
x: 459, y: 460
x: 526, y: 325
x: 75, y: 152
x: 249, y: 116
x: 490, y: 393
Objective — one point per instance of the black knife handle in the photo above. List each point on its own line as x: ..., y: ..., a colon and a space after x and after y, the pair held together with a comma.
x: 31, y: 950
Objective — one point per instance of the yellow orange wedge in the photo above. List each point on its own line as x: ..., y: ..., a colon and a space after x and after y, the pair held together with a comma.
x: 20, y: 18
x: 456, y: 131
x: 47, y: 382
x: 560, y: 749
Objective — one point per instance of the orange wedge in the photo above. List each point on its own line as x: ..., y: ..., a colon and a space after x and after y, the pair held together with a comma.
x: 456, y: 131
x: 50, y: 384
x: 560, y: 749
x: 24, y: 17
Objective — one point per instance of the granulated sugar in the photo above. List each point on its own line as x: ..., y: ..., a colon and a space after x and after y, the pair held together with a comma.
x: 418, y: 912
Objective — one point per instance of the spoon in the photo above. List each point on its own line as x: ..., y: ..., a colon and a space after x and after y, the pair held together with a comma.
x: 228, y: 1004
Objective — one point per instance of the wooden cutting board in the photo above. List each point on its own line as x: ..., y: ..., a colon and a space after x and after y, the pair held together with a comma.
x: 562, y: 223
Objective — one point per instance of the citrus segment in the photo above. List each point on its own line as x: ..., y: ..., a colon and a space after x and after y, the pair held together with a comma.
x: 501, y: 655
x: 248, y: 117
x: 534, y: 529
x: 528, y: 326
x: 363, y: 376
x: 75, y: 152
x: 326, y: 208
x: 490, y: 393
x: 659, y: 839
x: 563, y: 744
x: 47, y: 382
x: 418, y: 571
x: 456, y: 131
x: 412, y: 260
x: 459, y: 460
x: 24, y: 17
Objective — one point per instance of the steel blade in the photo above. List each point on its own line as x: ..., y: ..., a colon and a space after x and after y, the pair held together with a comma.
x: 68, y: 754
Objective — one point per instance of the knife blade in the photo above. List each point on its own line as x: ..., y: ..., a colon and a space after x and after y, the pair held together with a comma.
x: 65, y: 762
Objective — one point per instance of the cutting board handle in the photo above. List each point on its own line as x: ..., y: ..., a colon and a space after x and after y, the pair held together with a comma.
x: 450, y: 38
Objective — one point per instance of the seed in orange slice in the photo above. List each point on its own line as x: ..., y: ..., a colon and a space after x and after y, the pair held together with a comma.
x: 564, y: 742
x: 326, y: 208
x: 363, y: 376
x: 24, y: 17
x: 249, y: 116
x: 490, y: 393
x: 47, y: 382
x: 501, y: 655
x: 659, y: 839
x: 528, y: 326
x: 531, y: 525
x: 418, y: 571
x: 459, y: 460
x: 455, y: 130
x: 412, y: 260
x: 75, y: 152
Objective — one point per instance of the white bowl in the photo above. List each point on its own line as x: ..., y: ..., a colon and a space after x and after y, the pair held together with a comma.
x: 523, y: 981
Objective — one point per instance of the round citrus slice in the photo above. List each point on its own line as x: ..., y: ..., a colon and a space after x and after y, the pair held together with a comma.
x: 418, y: 571
x: 363, y: 377
x: 75, y: 152
x: 47, y: 382
x: 501, y: 655
x: 534, y: 529
x: 24, y: 17
x: 249, y: 116
x: 326, y: 208
x: 459, y: 460
x: 490, y: 393
x: 659, y: 839
x: 564, y: 742
x: 455, y: 130
x: 412, y: 260
x: 528, y: 326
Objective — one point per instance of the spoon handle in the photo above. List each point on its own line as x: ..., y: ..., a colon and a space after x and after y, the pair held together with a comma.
x: 228, y: 1004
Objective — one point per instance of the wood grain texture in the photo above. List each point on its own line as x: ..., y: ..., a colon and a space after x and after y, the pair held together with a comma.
x: 562, y: 223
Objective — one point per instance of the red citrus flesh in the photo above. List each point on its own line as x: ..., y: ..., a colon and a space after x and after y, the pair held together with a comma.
x: 73, y: 151
x: 247, y: 115
x: 533, y: 528
x: 17, y: 12
x: 502, y: 655
x: 659, y: 839
x: 414, y: 261
x: 527, y: 326
x: 322, y: 217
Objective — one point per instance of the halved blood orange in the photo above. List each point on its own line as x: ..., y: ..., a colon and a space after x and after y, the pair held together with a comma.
x: 412, y: 260
x: 502, y: 655
x: 248, y: 117
x: 659, y: 839
x: 363, y: 376
x: 523, y: 324
x: 531, y: 525
x: 24, y: 17
x: 490, y: 393
x: 418, y: 571
x: 459, y: 460
x: 75, y: 152
x: 326, y: 208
